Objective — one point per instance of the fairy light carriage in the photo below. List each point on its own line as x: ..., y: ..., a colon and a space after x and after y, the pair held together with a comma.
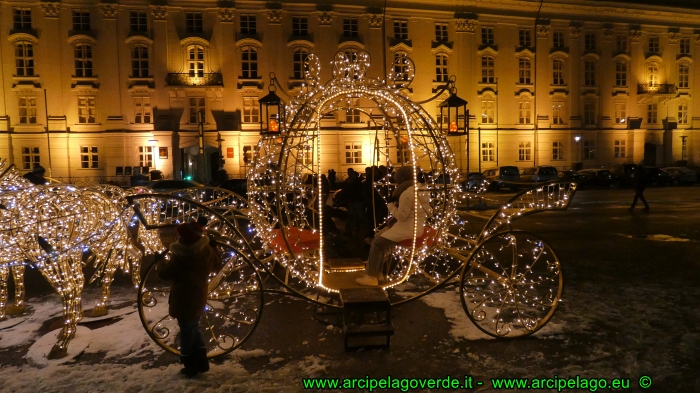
x: 510, y: 281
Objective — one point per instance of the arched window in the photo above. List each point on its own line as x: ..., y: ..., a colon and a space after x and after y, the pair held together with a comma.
x: 83, y: 60
x: 195, y: 61
x: 653, y: 73
x: 441, y: 72
x: 249, y: 62
x: 488, y: 73
x: 24, y: 59
x: 139, y: 62
x: 300, y: 56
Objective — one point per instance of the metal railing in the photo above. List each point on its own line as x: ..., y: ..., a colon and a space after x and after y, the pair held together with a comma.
x: 664, y: 88
x: 87, y: 181
x: 194, y: 79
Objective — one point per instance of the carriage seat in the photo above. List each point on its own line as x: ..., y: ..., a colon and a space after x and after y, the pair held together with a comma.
x: 300, y: 240
x: 428, y: 239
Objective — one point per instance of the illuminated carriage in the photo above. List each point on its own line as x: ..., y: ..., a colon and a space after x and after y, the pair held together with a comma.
x: 510, y: 281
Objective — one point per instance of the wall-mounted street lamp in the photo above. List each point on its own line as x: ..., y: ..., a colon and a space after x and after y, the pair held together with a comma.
x: 271, y: 110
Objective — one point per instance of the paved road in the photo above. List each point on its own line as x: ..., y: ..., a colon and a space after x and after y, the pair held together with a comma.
x: 630, y: 309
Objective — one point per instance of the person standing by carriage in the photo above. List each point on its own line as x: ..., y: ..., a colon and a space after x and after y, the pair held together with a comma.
x: 193, y: 257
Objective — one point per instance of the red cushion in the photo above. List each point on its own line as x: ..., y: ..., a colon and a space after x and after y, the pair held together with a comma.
x: 300, y: 240
x: 427, y: 238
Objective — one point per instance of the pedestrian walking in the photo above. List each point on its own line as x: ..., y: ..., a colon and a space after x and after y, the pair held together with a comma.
x: 640, y: 184
x: 192, y: 257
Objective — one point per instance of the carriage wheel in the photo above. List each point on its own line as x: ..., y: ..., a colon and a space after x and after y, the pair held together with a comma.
x: 511, y: 284
x: 235, y: 300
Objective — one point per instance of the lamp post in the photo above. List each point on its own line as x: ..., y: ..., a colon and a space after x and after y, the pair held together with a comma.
x: 577, y: 138
x: 201, y: 174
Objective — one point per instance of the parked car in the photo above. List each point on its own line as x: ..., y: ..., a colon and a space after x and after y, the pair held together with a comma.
x: 505, y: 176
x: 171, y: 185
x: 473, y: 181
x: 681, y: 175
x: 597, y: 177
x: 239, y: 186
x: 572, y: 175
x: 622, y: 174
x: 657, y: 176
x: 539, y: 174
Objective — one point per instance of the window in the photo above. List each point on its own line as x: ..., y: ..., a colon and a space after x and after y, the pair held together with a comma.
x: 652, y: 113
x: 248, y: 154
x: 300, y: 56
x: 30, y: 157
x: 401, y: 29
x: 558, y: 113
x: 143, y: 110
x: 683, y: 113
x: 83, y: 61
x: 145, y: 156
x: 684, y: 148
x: 300, y: 26
x: 683, y: 75
x: 524, y: 151
x: 653, y: 73
x: 557, y: 150
x: 248, y: 25
x: 525, y: 37
x: 487, y: 37
x: 487, y: 115
x: 401, y: 66
x: 195, y: 61
x: 81, y: 20
x: 558, y: 72
x: 196, y: 105
x: 403, y: 152
x: 653, y: 44
x: 589, y: 42
x: 620, y: 112
x: 251, y: 110
x: 138, y: 21
x: 351, y: 55
x: 24, y: 59
x: 487, y: 151
x: 350, y: 29
x: 353, y: 152
x: 621, y: 43
x: 620, y: 149
x: 620, y: 73
x: 558, y: 39
x: 87, y: 110
x: 589, y: 73
x: 27, y: 110
x: 441, y: 74
x: 684, y: 46
x: 352, y: 114
x: 488, y: 73
x: 139, y: 62
x: 249, y: 62
x: 589, y: 113
x: 306, y: 154
x: 193, y: 22
x: 441, y: 32
x: 524, y: 112
x: 88, y: 157
x: 588, y: 150
x: 22, y: 18
x: 524, y: 71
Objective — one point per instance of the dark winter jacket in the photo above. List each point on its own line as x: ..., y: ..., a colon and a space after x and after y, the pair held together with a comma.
x: 188, y: 268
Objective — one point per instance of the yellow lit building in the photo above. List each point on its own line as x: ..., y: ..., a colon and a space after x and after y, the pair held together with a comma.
x: 98, y: 91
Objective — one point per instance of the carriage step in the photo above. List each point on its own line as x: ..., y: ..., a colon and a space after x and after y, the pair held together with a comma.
x: 366, y: 317
x: 345, y: 265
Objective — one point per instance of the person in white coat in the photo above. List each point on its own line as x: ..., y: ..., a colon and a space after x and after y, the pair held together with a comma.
x: 407, y: 219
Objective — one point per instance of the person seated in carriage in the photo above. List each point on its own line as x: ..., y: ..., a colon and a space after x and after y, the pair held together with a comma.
x: 193, y: 257
x: 402, y: 209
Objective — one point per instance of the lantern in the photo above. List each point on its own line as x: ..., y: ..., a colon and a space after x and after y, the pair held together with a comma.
x: 457, y: 116
x: 271, y: 113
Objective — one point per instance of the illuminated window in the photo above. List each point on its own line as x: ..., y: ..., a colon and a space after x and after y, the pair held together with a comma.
x: 138, y: 21
x: 524, y: 151
x: 487, y: 151
x: 300, y: 26
x: 249, y: 25
x: 146, y: 156
x: 652, y: 113
x: 142, y: 107
x: 87, y: 110
x: 251, y: 110
x: 487, y: 112
x: 353, y: 152
x: 558, y: 72
x: 441, y: 73
x: 139, y: 62
x: 248, y: 154
x: 653, y: 73
x: 27, y: 110
x: 683, y: 113
x: 30, y: 157
x: 620, y: 112
x: 588, y: 150
x: 24, y: 59
x: 524, y: 112
x: 89, y: 157
x: 81, y: 20
x: 558, y: 112
x: 193, y: 22
x: 22, y: 18
x: 195, y: 61
x: 249, y: 63
x: 488, y: 70
x: 195, y: 106
x: 83, y: 60
x: 557, y: 150
x: 620, y: 149
x: 300, y: 56
x: 441, y: 32
x: 524, y: 71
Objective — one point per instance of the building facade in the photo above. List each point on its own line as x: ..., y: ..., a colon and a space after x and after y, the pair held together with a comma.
x: 105, y: 90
